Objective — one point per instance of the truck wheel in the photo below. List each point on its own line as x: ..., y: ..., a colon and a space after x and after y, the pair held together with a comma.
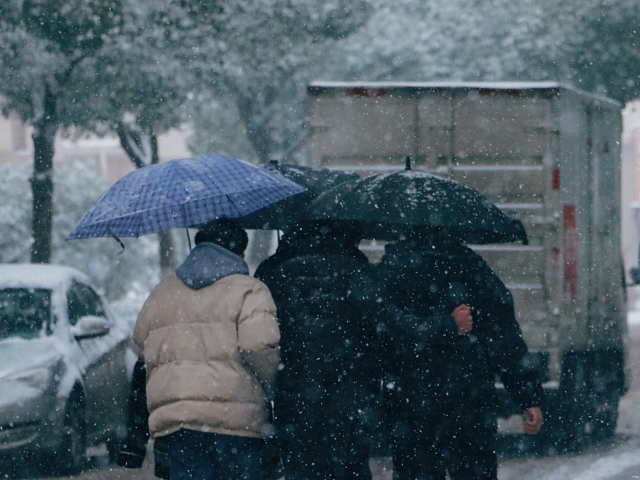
x: 114, y: 445
x: 576, y: 437
x: 605, y: 419
x: 71, y: 456
x: 563, y: 431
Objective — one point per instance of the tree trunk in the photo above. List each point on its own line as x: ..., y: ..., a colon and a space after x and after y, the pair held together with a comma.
x: 167, y: 255
x: 142, y: 149
x: 44, y: 133
x: 257, y: 133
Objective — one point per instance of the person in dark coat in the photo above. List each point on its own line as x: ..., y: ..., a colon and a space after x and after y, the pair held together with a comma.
x: 328, y: 382
x: 134, y: 447
x: 440, y: 394
x: 287, y: 246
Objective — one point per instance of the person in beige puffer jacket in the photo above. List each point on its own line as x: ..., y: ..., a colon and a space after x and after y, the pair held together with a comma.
x: 209, y: 338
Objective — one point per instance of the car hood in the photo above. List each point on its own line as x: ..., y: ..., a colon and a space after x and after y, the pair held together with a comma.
x: 20, y: 355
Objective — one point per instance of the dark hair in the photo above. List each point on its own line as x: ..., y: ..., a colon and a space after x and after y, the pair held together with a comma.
x: 419, y: 232
x: 224, y: 232
x: 347, y: 233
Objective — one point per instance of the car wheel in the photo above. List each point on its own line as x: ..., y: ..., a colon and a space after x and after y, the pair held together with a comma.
x: 71, y: 456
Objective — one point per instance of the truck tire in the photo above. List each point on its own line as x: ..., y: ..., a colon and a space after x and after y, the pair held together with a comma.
x: 568, y: 429
x: 114, y: 445
x: 605, y: 419
x: 564, y: 429
x: 575, y: 433
x: 71, y: 456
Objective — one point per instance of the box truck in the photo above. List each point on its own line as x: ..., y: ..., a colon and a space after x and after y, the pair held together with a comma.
x: 549, y: 154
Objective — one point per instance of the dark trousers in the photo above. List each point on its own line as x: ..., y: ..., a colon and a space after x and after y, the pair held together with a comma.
x: 426, y: 450
x: 210, y: 456
x: 305, y: 459
x: 322, y: 446
x: 415, y: 445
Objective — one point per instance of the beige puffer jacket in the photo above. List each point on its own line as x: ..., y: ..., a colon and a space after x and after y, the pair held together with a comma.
x: 211, y: 356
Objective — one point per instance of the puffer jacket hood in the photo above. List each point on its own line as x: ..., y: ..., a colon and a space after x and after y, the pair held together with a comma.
x: 207, y: 263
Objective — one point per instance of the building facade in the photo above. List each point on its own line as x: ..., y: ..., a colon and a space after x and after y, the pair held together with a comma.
x: 16, y: 148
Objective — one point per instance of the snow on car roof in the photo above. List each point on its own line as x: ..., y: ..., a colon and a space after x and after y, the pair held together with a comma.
x: 38, y: 276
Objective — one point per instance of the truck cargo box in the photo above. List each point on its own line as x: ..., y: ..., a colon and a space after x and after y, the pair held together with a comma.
x: 548, y: 153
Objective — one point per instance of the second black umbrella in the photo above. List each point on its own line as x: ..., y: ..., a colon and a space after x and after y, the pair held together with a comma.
x: 387, y: 205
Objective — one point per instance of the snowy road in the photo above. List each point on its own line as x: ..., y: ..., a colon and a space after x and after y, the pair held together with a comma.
x: 616, y: 459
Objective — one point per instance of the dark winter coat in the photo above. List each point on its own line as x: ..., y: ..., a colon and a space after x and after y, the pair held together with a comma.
x: 431, y: 369
x: 267, y: 268
x: 134, y: 446
x: 327, y: 351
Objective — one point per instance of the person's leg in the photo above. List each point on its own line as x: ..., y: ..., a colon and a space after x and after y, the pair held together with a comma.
x: 472, y: 451
x: 272, y: 463
x: 320, y: 440
x: 238, y: 458
x: 347, y: 452
x: 415, y: 451
x: 302, y: 448
x: 351, y: 463
x: 189, y: 456
x: 304, y: 456
x: 134, y: 447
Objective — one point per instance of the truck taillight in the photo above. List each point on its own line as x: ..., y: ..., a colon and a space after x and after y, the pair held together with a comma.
x: 555, y: 179
x: 365, y: 92
x: 555, y: 257
x: 570, y: 249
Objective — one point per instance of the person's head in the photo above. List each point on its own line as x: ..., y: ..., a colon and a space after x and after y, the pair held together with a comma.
x: 430, y: 235
x: 350, y: 233
x: 346, y: 234
x: 226, y: 233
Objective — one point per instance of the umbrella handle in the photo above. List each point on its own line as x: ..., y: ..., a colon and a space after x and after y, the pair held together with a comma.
x: 188, y: 237
x: 115, y: 237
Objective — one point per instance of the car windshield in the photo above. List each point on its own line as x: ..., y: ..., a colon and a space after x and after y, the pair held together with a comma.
x: 23, y: 312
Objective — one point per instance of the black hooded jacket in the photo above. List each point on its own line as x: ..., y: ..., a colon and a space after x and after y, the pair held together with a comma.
x: 428, y: 374
x: 327, y: 349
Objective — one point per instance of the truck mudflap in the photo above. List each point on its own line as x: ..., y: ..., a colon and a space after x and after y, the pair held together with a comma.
x: 583, y: 405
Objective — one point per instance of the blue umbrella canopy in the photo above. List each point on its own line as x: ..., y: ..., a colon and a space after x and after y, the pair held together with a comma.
x: 182, y: 193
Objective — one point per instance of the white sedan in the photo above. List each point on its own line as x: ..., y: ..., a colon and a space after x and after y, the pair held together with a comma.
x: 65, y: 366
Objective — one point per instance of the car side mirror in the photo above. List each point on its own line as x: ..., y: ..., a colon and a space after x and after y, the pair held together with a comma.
x: 90, y: 327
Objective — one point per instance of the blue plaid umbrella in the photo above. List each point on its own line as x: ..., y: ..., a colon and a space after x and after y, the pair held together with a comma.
x: 182, y: 193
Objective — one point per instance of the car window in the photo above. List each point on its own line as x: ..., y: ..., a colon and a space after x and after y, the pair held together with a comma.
x: 82, y: 300
x: 24, y: 312
x: 94, y: 304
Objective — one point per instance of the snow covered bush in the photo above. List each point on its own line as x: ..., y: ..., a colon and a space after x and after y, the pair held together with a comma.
x: 76, y: 188
x: 15, y: 214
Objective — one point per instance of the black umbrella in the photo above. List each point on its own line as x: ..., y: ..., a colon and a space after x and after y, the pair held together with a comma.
x: 282, y: 215
x: 387, y: 206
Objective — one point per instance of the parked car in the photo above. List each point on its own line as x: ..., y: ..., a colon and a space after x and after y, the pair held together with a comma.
x: 65, y: 366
